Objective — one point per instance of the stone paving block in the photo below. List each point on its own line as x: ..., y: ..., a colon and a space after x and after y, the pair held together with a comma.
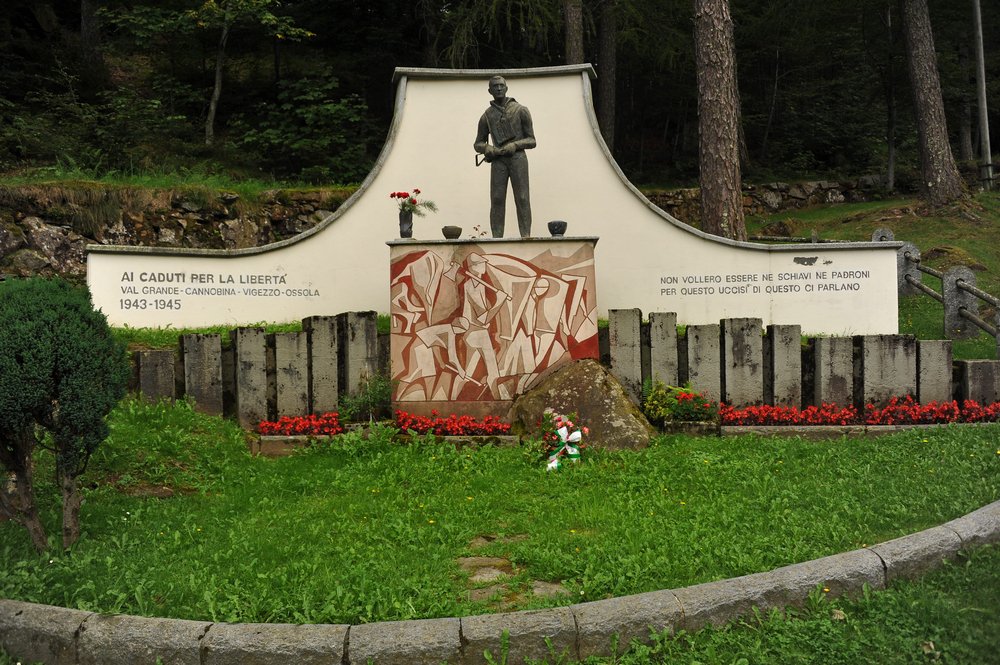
x: 980, y: 527
x: 783, y: 371
x: 742, y: 362
x: 888, y: 367
x: 39, y: 633
x: 202, y: 356
x: 274, y: 644
x: 913, y: 555
x: 528, y: 632
x: 934, y: 370
x: 419, y: 642
x: 704, y: 360
x: 626, y: 350
x: 130, y: 640
x: 155, y: 373
x: 357, y: 337
x: 291, y: 373
x: 323, y: 362
x: 249, y: 375
x: 834, y: 371
x: 630, y: 618
x: 979, y: 380
x: 663, y: 347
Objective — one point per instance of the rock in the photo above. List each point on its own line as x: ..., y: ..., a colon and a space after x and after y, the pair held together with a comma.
x: 599, y: 400
x: 833, y: 196
x: 238, y: 234
x: 797, y: 192
x: 542, y: 589
x: 771, y: 199
x: 11, y: 238
x: 28, y: 262
x: 785, y: 228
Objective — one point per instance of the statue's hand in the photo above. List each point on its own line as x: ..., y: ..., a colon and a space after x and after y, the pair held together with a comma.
x: 508, y: 150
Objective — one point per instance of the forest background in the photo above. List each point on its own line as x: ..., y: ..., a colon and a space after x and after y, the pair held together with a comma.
x: 300, y: 90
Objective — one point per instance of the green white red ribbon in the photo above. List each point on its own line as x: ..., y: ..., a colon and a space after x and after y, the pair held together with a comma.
x: 567, y: 450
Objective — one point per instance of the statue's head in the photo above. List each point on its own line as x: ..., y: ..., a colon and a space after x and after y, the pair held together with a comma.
x: 498, y: 87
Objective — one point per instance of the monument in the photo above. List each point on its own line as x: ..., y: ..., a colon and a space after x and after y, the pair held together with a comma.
x: 508, y: 123
x: 648, y: 259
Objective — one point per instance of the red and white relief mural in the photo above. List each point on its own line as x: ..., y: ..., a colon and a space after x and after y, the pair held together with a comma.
x: 471, y: 322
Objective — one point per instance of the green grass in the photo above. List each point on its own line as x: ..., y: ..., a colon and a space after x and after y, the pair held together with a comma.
x: 362, y: 531
x: 950, y: 616
x: 165, y: 338
x: 959, y: 235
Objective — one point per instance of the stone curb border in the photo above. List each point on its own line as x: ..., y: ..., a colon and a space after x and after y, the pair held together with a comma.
x: 60, y: 636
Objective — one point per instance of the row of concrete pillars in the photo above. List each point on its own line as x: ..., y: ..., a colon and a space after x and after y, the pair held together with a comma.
x: 262, y: 376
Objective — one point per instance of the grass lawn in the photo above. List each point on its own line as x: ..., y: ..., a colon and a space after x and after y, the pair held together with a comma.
x: 179, y: 521
x: 958, y: 235
x: 949, y: 616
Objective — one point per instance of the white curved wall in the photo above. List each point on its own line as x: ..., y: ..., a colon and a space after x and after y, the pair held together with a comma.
x: 343, y: 264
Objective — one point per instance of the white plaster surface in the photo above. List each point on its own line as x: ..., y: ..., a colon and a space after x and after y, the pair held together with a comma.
x: 343, y: 264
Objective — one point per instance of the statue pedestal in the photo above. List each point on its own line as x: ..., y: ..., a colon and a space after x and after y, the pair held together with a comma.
x: 475, y: 322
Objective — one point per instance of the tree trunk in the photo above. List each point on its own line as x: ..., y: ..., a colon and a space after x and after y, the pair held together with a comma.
x: 890, y: 105
x: 607, y: 61
x: 94, y: 71
x: 71, y: 502
x: 213, y: 105
x: 718, y: 120
x: 772, y: 105
x: 17, y: 496
x: 573, y: 15
x: 430, y: 14
x: 90, y: 32
x: 942, y: 182
x: 984, y: 122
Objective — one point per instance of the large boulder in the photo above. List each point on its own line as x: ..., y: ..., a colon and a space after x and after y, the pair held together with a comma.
x: 586, y: 388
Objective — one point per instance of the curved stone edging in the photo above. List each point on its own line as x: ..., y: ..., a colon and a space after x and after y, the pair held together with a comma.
x: 58, y: 636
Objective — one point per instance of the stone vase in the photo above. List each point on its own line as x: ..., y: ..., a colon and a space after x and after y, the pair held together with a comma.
x: 405, y: 223
x: 451, y: 232
x: 557, y: 227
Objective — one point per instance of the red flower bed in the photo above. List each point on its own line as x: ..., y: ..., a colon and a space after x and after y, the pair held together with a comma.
x: 329, y: 423
x: 451, y: 426
x: 764, y: 414
x: 326, y: 424
x: 899, y: 411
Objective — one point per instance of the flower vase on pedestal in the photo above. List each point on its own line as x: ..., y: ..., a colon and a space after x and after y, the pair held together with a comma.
x: 405, y: 223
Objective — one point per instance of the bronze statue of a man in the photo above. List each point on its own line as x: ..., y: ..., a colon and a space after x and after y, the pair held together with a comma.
x: 509, y: 125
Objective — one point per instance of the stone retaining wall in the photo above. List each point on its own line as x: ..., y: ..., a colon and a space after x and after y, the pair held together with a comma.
x: 59, y: 636
x: 44, y: 229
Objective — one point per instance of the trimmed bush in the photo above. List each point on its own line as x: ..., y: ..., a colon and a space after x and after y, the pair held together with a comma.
x: 61, y: 372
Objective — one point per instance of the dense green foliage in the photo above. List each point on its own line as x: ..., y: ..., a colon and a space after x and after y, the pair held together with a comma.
x: 60, y: 367
x: 189, y: 525
x: 822, y: 85
x: 61, y: 373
